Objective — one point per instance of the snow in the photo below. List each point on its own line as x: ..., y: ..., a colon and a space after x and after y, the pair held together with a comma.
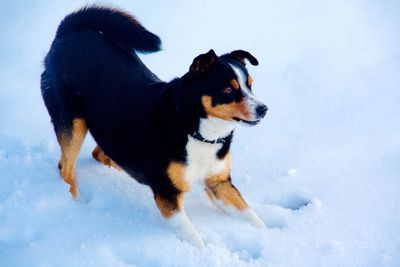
x: 322, y: 170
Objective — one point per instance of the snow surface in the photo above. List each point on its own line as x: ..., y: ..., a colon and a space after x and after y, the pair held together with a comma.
x: 322, y: 170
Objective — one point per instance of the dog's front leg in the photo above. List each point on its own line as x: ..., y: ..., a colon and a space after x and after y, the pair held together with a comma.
x: 172, y: 210
x: 226, y: 196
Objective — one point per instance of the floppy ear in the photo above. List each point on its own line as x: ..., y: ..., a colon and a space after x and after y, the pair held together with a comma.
x: 241, y: 55
x: 203, y: 62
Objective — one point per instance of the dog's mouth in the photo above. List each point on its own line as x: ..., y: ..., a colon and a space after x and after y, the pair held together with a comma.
x: 249, y: 123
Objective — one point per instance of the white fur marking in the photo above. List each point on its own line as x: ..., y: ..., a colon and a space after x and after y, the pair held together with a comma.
x: 213, y: 128
x: 202, y: 161
x: 251, y: 216
x: 185, y: 229
x: 252, y: 102
x: 241, y: 79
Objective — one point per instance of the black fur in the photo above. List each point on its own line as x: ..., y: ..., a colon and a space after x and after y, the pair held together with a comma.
x: 114, y: 24
x: 139, y: 121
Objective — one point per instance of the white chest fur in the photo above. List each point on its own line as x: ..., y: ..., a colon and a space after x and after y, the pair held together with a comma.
x: 202, y: 160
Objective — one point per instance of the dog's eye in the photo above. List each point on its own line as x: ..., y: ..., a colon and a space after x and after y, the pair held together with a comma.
x: 227, y: 90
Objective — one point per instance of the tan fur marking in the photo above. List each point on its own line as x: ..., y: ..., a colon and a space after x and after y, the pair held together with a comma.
x: 70, y: 147
x: 235, y: 84
x: 229, y: 195
x: 168, y: 208
x: 98, y: 154
x: 226, y: 111
x: 249, y: 81
x: 220, y: 187
x: 176, y: 173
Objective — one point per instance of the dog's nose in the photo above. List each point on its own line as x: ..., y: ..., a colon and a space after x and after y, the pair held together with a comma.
x: 261, y: 110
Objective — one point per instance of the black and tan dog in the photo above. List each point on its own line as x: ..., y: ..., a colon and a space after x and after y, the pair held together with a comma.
x: 165, y: 135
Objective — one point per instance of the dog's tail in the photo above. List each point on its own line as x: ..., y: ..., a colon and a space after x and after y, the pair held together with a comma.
x: 114, y: 24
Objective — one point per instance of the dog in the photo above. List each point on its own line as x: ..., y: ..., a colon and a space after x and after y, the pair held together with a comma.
x: 167, y: 135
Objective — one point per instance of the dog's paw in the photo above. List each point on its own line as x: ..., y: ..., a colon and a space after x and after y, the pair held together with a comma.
x: 76, y: 195
x: 83, y: 196
x: 250, y: 216
x: 185, y: 230
x: 79, y: 197
x: 197, y: 241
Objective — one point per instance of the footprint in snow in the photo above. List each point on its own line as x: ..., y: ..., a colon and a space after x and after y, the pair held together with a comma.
x: 279, y: 208
x: 292, y: 201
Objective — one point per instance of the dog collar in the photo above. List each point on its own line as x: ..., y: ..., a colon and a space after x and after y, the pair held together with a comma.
x: 196, y: 135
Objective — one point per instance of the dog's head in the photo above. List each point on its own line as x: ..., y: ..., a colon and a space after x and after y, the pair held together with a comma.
x: 223, y: 87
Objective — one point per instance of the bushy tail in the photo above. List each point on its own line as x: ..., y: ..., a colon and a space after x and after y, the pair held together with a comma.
x: 114, y: 24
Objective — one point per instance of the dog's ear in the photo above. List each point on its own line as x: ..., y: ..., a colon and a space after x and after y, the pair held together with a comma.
x: 203, y: 62
x: 241, y: 55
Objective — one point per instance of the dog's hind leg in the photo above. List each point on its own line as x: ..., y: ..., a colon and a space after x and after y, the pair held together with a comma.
x: 98, y: 154
x: 71, y: 141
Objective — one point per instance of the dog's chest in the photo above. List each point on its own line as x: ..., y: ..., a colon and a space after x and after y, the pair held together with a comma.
x: 202, y: 160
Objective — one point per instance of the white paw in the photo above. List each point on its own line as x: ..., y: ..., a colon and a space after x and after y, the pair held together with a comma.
x: 196, y: 240
x: 257, y: 222
x: 251, y: 216
x: 185, y: 229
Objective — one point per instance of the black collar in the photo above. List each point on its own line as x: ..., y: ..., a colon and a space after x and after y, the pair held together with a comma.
x: 198, y: 136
